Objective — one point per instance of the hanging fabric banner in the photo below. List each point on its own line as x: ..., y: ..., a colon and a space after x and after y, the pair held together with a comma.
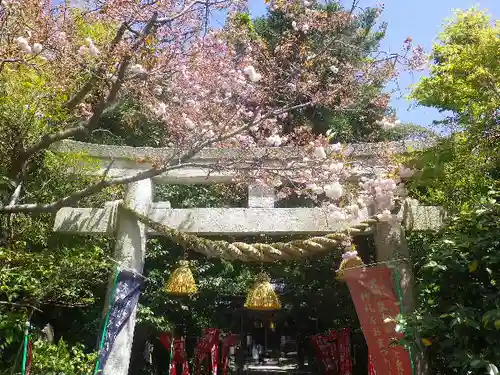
x: 326, y: 352
x: 344, y: 350
x: 179, y: 356
x: 371, y: 368
x: 376, y: 305
x: 343, y: 359
x: 29, y: 358
x: 126, y: 291
x: 214, y: 335
x: 334, y: 337
x: 209, y: 344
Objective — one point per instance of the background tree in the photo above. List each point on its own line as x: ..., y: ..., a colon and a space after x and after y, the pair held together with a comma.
x: 458, y: 268
x: 464, y: 79
x: 344, y: 43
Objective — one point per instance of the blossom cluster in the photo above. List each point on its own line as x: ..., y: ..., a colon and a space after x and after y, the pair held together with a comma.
x: 211, y: 87
x: 388, y: 123
x: 328, y: 176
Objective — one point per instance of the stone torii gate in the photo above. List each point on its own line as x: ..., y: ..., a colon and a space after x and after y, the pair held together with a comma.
x: 260, y: 217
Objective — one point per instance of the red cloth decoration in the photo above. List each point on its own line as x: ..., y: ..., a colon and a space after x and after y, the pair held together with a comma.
x: 165, y: 339
x: 228, y: 341
x: 376, y: 304
x: 334, y: 338
x: 326, y: 352
x: 344, y: 351
x: 371, y: 367
x: 179, y: 356
x: 209, y: 343
x: 29, y: 358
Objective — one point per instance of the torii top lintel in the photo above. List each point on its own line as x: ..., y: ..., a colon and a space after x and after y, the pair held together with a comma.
x: 128, y: 160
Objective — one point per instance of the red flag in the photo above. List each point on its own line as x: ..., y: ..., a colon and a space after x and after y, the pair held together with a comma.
x: 29, y: 358
x: 326, y: 352
x: 344, y: 350
x: 209, y: 344
x: 371, y: 368
x: 166, y: 340
x: 178, y: 353
x: 371, y: 291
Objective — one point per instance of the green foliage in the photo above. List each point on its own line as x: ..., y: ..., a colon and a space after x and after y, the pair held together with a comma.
x: 29, y: 107
x: 63, y: 275
x: 217, y: 282
x: 11, y: 328
x: 190, y: 196
x: 60, y: 358
x: 459, y: 290
x: 67, y: 274
x: 464, y: 79
x: 99, y: 31
x: 465, y: 76
x: 244, y: 20
x: 59, y: 276
x: 451, y: 174
x: 458, y: 268
x: 410, y: 131
x: 126, y: 124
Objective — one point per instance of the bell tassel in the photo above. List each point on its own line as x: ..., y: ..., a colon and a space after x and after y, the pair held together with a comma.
x: 181, y: 281
x: 262, y: 295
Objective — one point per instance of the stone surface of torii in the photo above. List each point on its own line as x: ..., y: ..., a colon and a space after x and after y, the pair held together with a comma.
x: 232, y: 221
x: 259, y: 217
x: 120, y: 161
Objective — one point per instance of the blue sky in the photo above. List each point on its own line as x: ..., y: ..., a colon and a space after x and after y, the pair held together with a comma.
x: 420, y: 19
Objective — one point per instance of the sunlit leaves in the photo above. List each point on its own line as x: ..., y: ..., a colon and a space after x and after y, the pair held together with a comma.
x: 458, y: 292
x: 465, y: 77
x: 61, y: 358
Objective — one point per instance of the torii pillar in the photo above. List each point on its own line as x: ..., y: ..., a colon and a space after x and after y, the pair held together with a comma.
x: 130, y: 250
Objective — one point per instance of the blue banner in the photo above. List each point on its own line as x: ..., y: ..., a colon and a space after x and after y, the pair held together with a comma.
x: 126, y: 292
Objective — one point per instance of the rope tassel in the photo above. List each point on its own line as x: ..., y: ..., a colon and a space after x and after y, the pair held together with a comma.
x: 181, y: 282
x: 262, y: 295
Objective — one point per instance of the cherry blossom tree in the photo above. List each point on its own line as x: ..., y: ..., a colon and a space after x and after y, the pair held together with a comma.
x: 64, y: 67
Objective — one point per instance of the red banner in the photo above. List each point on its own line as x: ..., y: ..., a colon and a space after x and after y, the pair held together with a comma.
x: 29, y: 358
x: 326, y: 352
x: 371, y: 368
x: 179, y: 356
x: 208, y: 344
x: 343, y: 359
x: 344, y: 350
x: 376, y: 304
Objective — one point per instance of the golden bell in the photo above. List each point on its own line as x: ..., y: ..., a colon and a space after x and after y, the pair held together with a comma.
x: 181, y: 281
x: 346, y: 264
x: 262, y: 295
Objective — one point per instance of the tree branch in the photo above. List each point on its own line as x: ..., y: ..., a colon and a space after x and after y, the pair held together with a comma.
x: 89, y: 190
x: 256, y: 122
x: 150, y: 173
x: 186, y: 9
x: 89, y: 85
x: 49, y: 139
x: 21, y: 305
x: 6, y: 61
